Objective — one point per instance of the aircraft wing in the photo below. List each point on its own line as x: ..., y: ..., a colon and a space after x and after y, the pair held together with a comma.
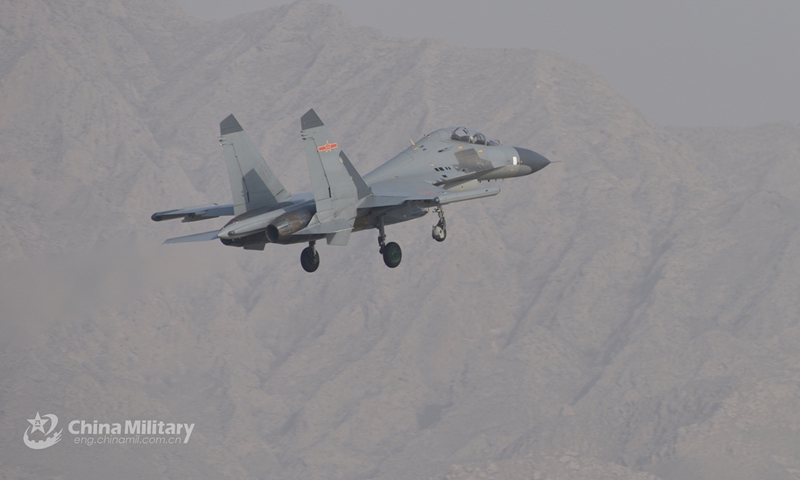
x: 197, y: 237
x: 395, y: 192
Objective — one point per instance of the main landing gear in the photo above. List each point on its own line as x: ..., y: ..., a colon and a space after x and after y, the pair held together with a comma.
x: 309, y: 258
x: 392, y: 254
x: 391, y: 251
x: 439, y: 232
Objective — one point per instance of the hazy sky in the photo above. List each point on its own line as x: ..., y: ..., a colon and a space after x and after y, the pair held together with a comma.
x: 682, y: 62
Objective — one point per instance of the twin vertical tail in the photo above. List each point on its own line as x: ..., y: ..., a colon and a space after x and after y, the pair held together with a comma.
x: 336, y: 184
x: 253, y: 185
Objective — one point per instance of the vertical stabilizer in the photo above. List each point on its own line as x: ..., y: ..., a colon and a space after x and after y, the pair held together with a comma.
x: 336, y: 184
x: 253, y: 185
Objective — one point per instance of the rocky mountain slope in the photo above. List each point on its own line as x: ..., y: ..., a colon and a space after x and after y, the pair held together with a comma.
x: 629, y: 312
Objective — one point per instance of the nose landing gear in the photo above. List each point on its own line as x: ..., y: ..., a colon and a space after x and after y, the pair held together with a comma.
x: 392, y: 254
x: 439, y: 232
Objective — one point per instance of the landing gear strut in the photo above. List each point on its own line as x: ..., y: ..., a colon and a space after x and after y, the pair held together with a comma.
x: 309, y: 258
x: 439, y: 232
x: 391, y: 251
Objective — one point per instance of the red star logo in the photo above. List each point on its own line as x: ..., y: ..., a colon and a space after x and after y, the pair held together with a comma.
x: 327, y: 147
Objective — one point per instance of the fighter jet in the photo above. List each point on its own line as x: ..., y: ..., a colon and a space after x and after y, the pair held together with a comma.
x: 447, y: 166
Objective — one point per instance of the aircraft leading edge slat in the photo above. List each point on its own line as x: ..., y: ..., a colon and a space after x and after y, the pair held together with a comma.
x: 446, y: 166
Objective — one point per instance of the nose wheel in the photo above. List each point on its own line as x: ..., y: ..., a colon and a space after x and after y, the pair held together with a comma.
x: 392, y: 254
x: 439, y: 232
x: 309, y: 258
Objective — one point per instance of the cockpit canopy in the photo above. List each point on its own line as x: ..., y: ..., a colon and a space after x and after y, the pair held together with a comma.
x: 464, y: 134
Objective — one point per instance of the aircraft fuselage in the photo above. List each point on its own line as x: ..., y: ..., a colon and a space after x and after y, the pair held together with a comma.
x: 447, y: 166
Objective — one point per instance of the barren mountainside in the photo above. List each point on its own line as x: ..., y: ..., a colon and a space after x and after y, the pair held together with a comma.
x: 628, y: 312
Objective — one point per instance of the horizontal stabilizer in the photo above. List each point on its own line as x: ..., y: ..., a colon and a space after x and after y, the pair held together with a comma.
x: 193, y: 214
x: 197, y: 237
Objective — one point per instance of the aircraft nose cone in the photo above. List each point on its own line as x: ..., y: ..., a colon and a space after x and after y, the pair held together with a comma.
x: 532, y: 159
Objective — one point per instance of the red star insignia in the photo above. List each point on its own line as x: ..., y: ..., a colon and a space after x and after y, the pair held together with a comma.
x: 327, y: 147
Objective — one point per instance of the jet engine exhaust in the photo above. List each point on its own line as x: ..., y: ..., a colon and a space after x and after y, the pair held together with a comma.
x: 287, y: 224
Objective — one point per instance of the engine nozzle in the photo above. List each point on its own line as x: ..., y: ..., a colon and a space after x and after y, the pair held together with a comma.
x: 287, y: 224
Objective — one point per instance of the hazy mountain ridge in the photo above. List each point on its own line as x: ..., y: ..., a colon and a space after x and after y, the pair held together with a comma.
x: 629, y: 308
x: 761, y: 158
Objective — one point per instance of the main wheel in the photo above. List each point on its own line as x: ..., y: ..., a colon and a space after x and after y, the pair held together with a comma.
x: 439, y: 233
x: 392, y: 254
x: 309, y: 259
